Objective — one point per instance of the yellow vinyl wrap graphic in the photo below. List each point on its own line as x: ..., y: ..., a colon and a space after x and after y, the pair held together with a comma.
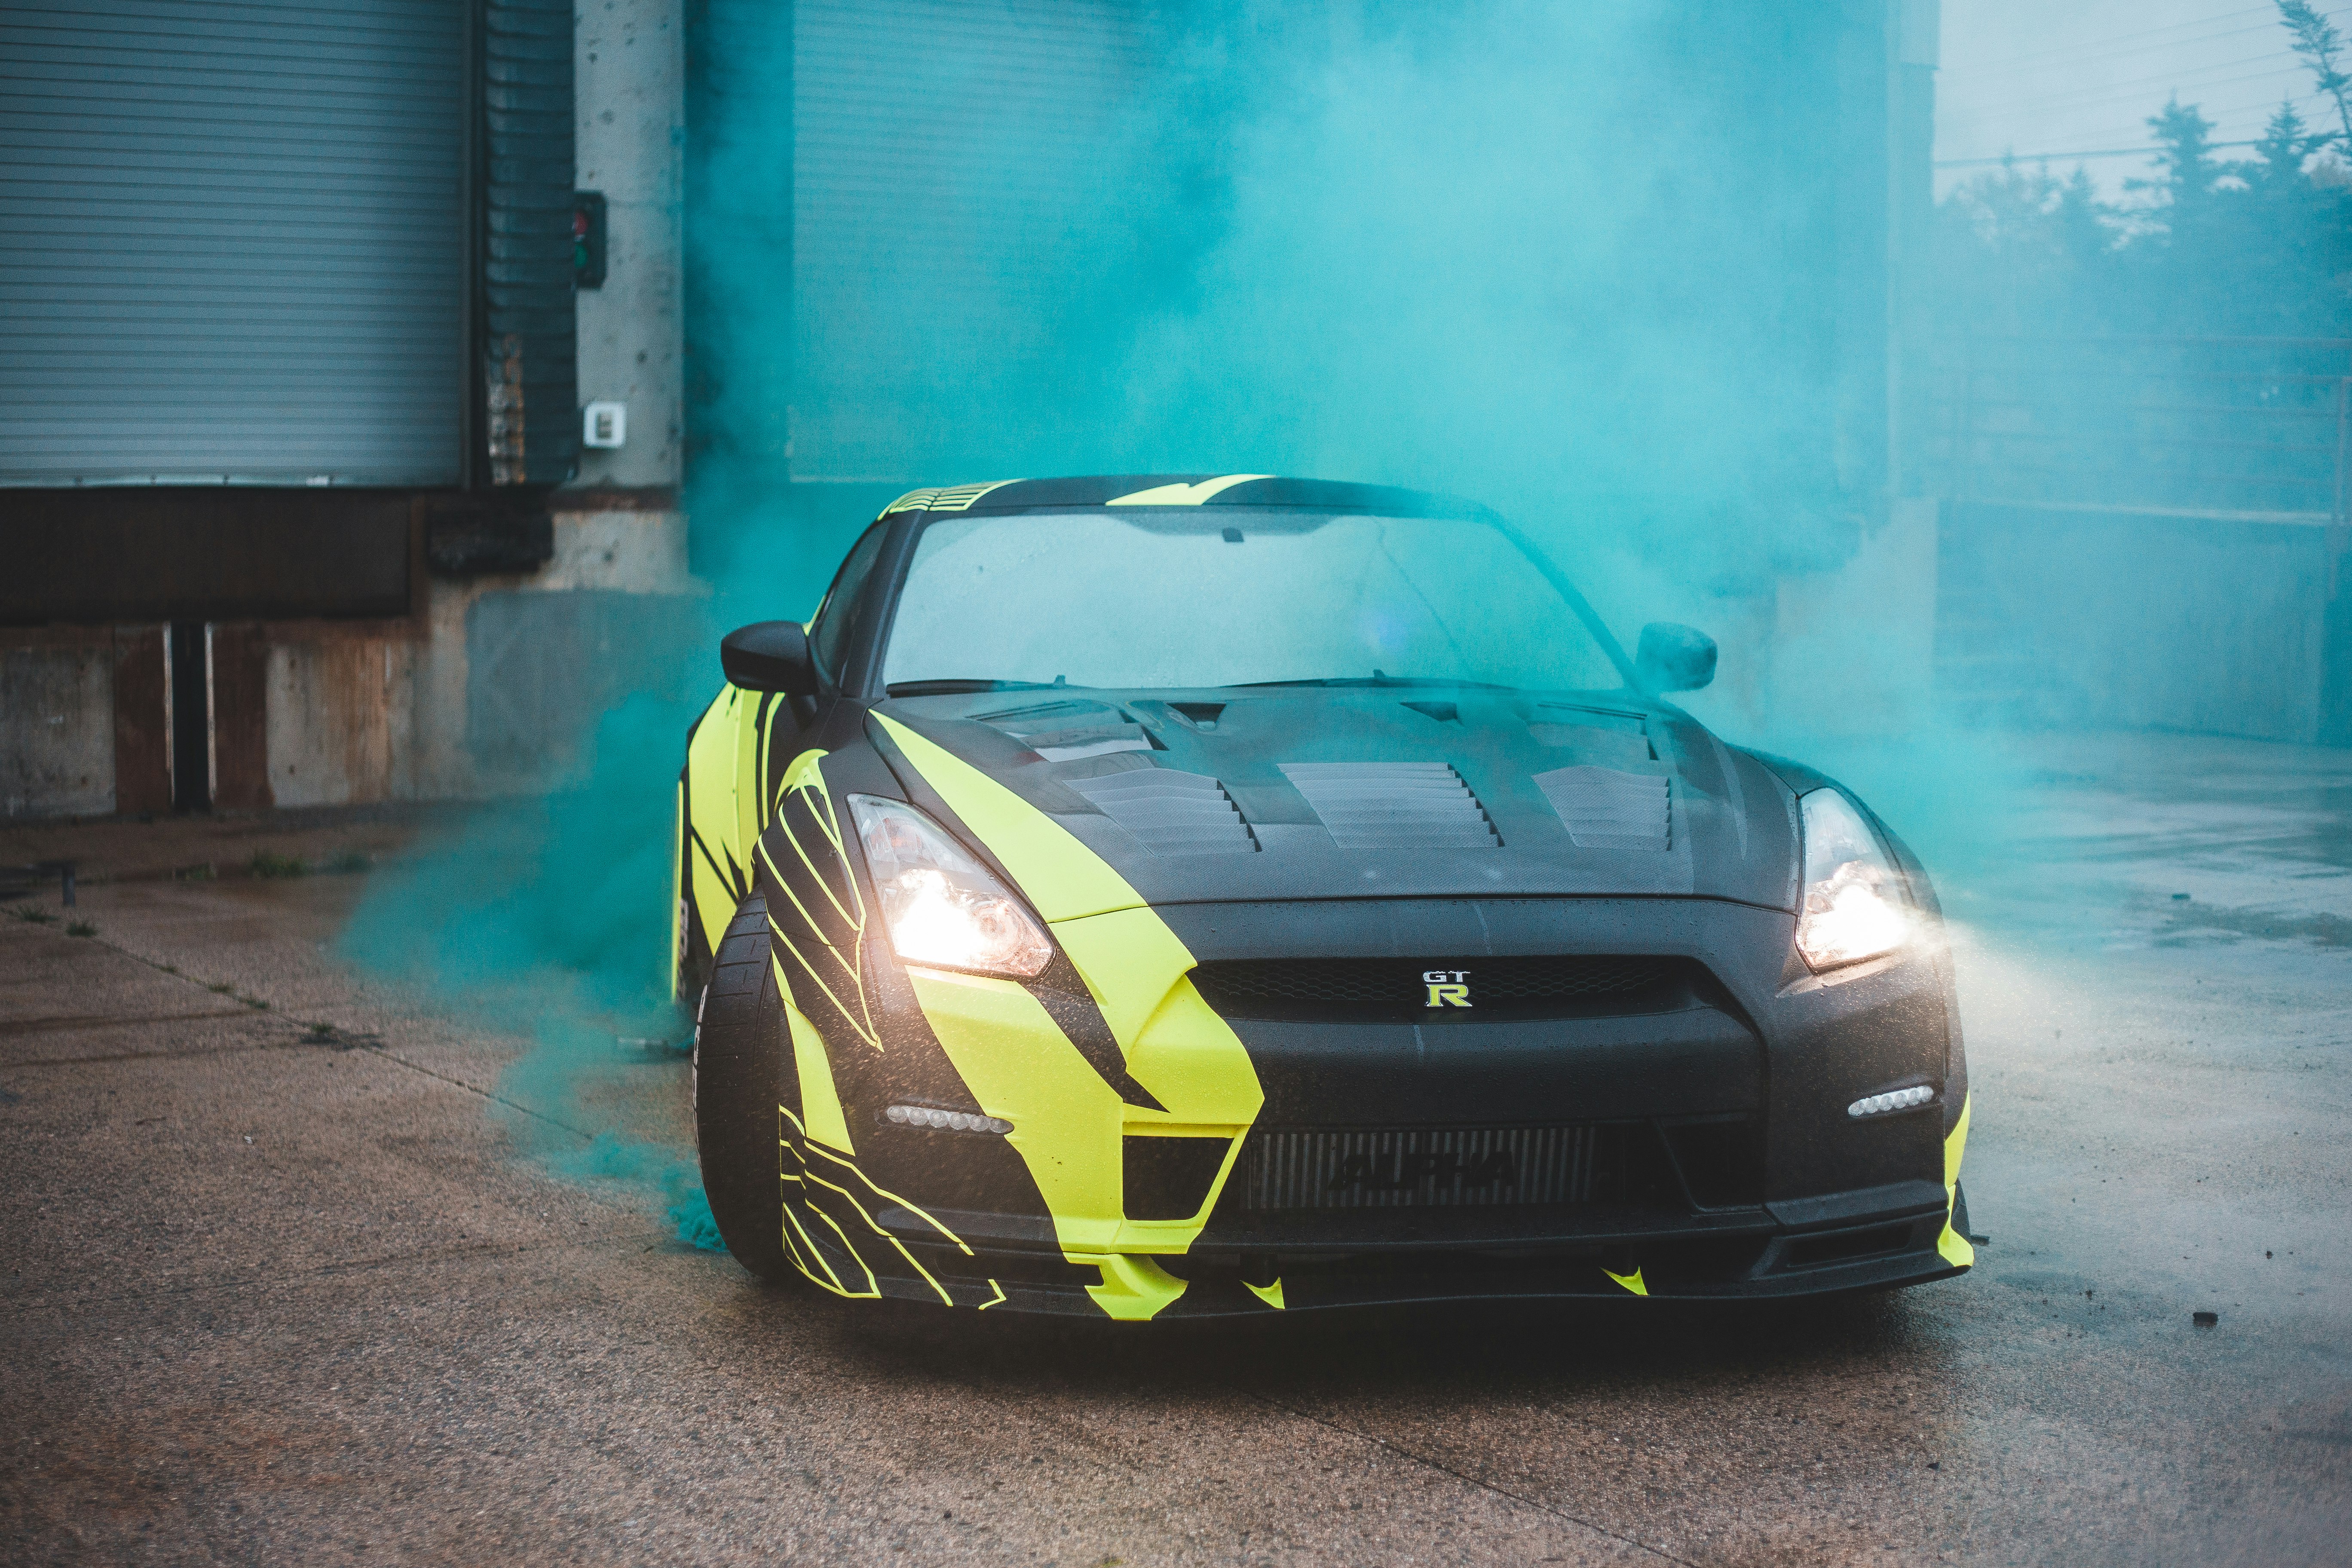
x: 714, y: 859
x: 952, y: 498
x: 1068, y: 1123
x: 834, y: 966
x: 1184, y: 495
x: 830, y: 1212
x: 728, y: 797
x: 832, y: 1207
x: 1952, y: 1244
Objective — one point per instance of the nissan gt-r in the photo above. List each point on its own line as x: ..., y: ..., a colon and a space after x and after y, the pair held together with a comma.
x: 1168, y: 896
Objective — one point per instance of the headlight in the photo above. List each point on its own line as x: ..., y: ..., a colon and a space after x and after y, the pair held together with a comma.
x: 940, y: 905
x: 1856, y: 906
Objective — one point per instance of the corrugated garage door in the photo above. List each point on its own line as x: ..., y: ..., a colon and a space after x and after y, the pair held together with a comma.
x: 233, y: 241
x: 951, y: 166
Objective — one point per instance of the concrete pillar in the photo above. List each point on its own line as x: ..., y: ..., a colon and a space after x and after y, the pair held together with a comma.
x: 630, y: 98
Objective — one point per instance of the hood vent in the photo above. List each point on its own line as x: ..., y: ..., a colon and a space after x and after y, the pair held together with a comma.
x: 1607, y: 809
x: 1394, y: 805
x: 1065, y: 731
x: 1088, y: 741
x: 1598, y: 732
x: 1172, y: 813
x: 1047, y: 715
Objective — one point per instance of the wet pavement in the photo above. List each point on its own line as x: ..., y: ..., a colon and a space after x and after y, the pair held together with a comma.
x: 277, y: 1284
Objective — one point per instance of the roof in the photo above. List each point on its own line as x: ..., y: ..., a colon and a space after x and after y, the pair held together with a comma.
x: 1268, y: 490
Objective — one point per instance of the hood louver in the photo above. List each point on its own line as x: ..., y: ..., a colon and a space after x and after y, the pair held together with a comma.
x: 1394, y: 805
x: 1066, y: 731
x: 1172, y: 813
x: 1608, y: 809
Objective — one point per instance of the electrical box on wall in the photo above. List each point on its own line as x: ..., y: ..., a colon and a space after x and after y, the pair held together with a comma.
x: 604, y: 424
x: 588, y: 239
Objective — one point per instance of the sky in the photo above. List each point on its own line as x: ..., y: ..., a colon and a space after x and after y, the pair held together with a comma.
x: 2082, y: 75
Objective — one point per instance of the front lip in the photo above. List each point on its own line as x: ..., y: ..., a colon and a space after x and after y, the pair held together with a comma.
x: 1864, y: 1240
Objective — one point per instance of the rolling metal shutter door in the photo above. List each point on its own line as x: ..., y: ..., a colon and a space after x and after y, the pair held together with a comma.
x: 233, y: 241
x: 949, y: 161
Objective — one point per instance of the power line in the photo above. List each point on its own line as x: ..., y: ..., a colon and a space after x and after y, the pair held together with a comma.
x: 2099, y: 48
x: 2060, y: 157
x: 2182, y: 81
x: 2085, y: 56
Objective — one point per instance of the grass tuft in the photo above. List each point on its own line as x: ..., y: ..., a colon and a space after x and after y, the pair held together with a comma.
x: 264, y: 864
x: 80, y: 928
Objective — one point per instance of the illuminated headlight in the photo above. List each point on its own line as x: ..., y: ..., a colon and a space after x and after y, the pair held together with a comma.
x: 1893, y: 1100
x: 940, y: 905
x: 1856, y: 906
x: 945, y: 1121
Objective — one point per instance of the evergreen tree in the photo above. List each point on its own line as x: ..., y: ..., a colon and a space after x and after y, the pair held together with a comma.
x: 2318, y: 42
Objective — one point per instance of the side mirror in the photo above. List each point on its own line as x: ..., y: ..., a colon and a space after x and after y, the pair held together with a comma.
x: 1674, y: 658
x: 770, y: 656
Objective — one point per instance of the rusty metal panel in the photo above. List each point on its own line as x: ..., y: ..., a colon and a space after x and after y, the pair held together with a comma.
x: 240, y: 717
x: 142, y: 734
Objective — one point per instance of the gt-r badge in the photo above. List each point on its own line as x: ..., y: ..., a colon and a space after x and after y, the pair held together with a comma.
x: 1446, y: 987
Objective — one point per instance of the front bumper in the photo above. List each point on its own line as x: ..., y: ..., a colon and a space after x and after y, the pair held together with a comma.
x: 1875, y: 1239
x: 1738, y: 1172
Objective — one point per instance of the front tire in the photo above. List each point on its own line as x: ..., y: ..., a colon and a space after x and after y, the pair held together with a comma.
x: 739, y: 1066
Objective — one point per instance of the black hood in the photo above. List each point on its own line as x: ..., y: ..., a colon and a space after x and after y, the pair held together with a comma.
x: 1382, y: 790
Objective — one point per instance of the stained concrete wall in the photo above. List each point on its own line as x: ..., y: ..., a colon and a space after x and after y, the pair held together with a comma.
x: 419, y: 716
x: 56, y: 730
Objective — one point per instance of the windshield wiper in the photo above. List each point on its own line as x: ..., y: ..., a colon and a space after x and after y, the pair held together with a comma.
x: 958, y: 688
x: 1375, y: 679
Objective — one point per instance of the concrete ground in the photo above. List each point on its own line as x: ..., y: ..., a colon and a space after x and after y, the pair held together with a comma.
x: 280, y: 1286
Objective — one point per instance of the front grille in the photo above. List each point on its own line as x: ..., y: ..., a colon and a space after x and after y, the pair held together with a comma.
x: 1442, y: 1167
x: 1399, y: 990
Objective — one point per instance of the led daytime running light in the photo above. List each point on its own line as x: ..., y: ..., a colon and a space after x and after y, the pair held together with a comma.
x: 1893, y: 1100
x: 946, y: 1121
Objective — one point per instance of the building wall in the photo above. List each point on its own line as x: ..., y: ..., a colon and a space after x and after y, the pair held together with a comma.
x: 57, y: 713
x: 2109, y: 617
x: 392, y: 681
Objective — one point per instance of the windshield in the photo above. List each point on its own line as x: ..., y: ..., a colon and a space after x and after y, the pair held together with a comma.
x: 1157, y: 597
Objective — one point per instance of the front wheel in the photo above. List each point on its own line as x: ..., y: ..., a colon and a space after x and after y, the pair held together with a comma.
x: 738, y: 1065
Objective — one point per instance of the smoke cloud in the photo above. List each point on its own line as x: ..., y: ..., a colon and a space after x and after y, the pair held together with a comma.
x: 1619, y: 271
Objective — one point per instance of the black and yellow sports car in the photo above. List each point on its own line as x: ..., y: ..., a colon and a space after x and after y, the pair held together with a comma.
x: 1173, y: 896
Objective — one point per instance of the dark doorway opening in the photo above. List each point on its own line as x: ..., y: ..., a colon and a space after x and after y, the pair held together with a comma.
x: 192, y: 718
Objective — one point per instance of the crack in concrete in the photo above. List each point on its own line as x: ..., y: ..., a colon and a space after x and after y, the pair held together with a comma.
x: 1470, y: 1480
x: 327, y: 1035
x: 389, y: 1261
